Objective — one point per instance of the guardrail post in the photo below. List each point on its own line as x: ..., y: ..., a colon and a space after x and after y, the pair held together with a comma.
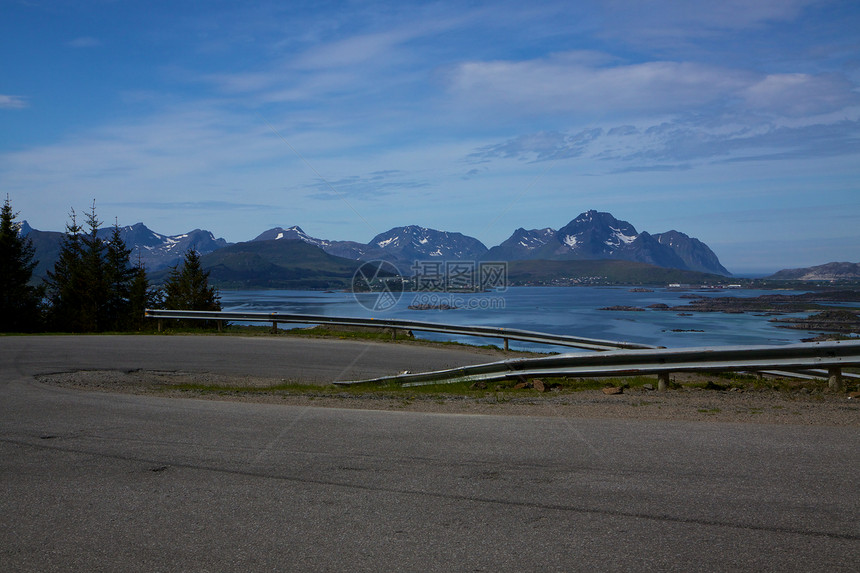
x: 662, y: 381
x: 506, y: 344
x: 274, y: 327
x: 160, y: 324
x: 834, y: 381
x: 393, y: 334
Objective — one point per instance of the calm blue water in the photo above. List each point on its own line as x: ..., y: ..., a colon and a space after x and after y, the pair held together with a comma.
x: 561, y: 310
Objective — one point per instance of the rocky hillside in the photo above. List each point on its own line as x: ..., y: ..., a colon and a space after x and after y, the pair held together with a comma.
x: 826, y: 272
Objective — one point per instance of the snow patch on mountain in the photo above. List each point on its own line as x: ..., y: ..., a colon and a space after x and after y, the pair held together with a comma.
x: 623, y: 238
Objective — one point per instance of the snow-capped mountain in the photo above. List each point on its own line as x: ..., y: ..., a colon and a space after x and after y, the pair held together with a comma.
x: 592, y: 235
x: 598, y: 235
x: 294, y: 233
x: 401, y: 245
x: 405, y: 245
x: 345, y: 249
x: 521, y: 244
x: 157, y: 251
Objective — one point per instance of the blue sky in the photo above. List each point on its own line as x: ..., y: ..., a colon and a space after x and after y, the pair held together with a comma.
x: 737, y: 122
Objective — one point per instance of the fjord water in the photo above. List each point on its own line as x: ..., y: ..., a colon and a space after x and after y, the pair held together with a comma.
x: 560, y: 310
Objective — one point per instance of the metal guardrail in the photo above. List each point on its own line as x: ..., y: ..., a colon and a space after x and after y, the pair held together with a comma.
x: 804, y: 360
x: 505, y: 334
x: 832, y: 356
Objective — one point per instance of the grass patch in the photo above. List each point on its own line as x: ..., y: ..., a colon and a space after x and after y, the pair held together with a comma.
x: 496, y: 392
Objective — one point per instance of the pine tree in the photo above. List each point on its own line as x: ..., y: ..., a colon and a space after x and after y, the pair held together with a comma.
x: 188, y: 288
x: 141, y: 297
x: 119, y: 277
x: 19, y: 300
x: 65, y: 283
x: 89, y: 289
x: 96, y: 291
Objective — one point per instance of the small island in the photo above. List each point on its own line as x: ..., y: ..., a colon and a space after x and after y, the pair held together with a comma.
x: 431, y: 307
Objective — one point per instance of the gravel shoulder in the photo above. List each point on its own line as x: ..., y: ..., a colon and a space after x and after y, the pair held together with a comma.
x: 742, y: 405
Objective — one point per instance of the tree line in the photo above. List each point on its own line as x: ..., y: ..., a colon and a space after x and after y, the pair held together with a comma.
x: 93, y: 286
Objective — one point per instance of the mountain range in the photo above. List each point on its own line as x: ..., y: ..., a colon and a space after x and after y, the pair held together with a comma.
x: 592, y: 235
x: 153, y: 250
x: 401, y: 246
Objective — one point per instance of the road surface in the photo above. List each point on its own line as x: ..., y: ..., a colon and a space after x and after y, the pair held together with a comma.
x: 111, y: 482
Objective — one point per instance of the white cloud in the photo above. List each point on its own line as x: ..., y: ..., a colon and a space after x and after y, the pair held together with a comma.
x: 567, y: 84
x: 352, y: 51
x: 561, y: 84
x: 800, y: 94
x: 12, y: 102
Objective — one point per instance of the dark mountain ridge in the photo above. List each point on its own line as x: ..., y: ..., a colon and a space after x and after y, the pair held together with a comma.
x: 592, y: 235
x: 277, y: 264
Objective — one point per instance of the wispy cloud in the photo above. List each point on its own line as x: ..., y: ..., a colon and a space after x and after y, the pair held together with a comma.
x: 354, y: 50
x: 682, y: 142
x: 375, y: 185
x: 800, y: 94
x: 691, y: 17
x: 12, y: 102
x: 84, y: 42
x: 217, y: 206
x: 541, y: 146
x: 567, y: 84
x: 679, y: 144
x: 679, y: 25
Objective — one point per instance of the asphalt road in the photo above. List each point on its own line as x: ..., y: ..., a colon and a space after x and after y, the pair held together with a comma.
x: 109, y: 482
